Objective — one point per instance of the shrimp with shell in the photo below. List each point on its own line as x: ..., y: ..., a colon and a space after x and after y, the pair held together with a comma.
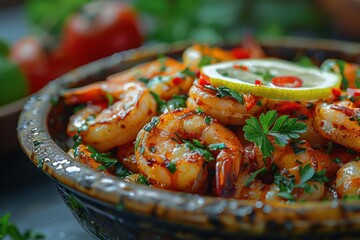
x: 178, y: 150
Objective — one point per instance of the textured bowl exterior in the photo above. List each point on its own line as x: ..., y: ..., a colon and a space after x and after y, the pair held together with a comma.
x: 113, y: 209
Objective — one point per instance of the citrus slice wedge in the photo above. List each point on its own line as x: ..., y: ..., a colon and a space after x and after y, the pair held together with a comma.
x: 257, y: 76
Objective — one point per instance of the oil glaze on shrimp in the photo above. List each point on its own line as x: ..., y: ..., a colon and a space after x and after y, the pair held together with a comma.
x: 165, y: 158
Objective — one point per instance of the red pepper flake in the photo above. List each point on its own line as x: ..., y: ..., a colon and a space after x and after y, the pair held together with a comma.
x: 258, y: 82
x: 336, y: 92
x: 250, y: 101
x: 177, y: 80
x: 240, y: 53
x: 241, y: 67
x: 287, y: 81
x: 204, y: 80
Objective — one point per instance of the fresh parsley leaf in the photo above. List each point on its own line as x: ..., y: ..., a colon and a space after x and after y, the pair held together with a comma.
x: 282, y: 129
x: 216, y: 146
x: 208, y: 119
x: 306, y: 173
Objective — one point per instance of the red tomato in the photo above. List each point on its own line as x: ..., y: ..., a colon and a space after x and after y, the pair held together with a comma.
x: 39, y: 64
x: 101, y: 29
x: 287, y: 81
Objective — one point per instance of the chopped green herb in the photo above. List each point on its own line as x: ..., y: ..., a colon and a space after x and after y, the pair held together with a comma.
x: 103, y: 158
x: 142, y: 180
x: 299, y: 162
x: 205, y: 60
x: 265, y: 73
x: 199, y: 110
x: 177, y: 101
x: 305, y: 62
x: 55, y: 100
x: 36, y: 143
x: 161, y: 104
x: 188, y: 72
x: 306, y: 173
x: 77, y: 140
x: 254, y: 175
x: 216, y: 146
x: 150, y: 125
x: 302, y: 117
x: 349, y: 150
x: 136, y: 145
x: 171, y: 166
x: 208, y: 119
x: 142, y: 149
x: 259, y: 103
x: 223, y: 91
x: 153, y: 149
x: 296, y: 149
x: 120, y: 171
x: 101, y: 168
x: 337, y: 160
x: 144, y: 80
x: 162, y: 60
x: 286, y: 195
x: 79, y: 108
x: 281, y: 128
x: 110, y: 99
x: 330, y: 147
x: 40, y: 163
x: 199, y: 148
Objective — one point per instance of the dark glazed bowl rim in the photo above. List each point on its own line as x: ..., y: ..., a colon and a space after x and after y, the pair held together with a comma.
x: 236, y: 216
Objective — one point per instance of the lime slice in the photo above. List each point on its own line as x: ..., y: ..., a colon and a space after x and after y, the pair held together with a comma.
x: 256, y: 76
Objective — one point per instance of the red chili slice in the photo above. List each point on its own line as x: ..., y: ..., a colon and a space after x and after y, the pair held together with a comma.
x: 240, y: 53
x: 287, y: 81
x: 336, y: 92
x: 177, y: 80
x: 204, y: 80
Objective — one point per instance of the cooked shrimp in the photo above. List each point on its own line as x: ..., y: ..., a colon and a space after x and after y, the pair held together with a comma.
x: 84, y: 155
x: 119, y: 123
x: 338, y: 122
x: 126, y: 156
x: 82, y: 118
x: 288, y: 160
x: 227, y: 109
x: 201, y: 54
x: 169, y: 156
x: 348, y: 179
x: 303, y: 111
x: 166, y: 77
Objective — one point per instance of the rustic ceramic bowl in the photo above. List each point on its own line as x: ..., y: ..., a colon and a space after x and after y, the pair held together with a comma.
x: 111, y: 209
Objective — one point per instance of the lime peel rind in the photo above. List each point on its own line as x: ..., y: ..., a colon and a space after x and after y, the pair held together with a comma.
x: 331, y: 80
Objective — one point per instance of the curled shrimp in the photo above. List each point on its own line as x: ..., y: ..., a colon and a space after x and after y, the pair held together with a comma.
x: 226, y: 109
x: 166, y: 77
x: 288, y: 160
x: 304, y: 112
x: 119, y: 123
x: 201, y: 54
x: 348, y: 179
x: 169, y: 155
x: 338, y: 122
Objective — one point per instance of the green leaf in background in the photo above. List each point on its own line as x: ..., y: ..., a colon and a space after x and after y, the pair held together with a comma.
x: 13, y: 84
x: 4, y: 48
x: 50, y: 16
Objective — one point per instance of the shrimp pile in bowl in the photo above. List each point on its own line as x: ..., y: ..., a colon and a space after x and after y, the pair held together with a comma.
x: 161, y: 124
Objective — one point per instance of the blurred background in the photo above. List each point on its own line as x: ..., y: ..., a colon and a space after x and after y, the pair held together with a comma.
x: 43, y: 39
